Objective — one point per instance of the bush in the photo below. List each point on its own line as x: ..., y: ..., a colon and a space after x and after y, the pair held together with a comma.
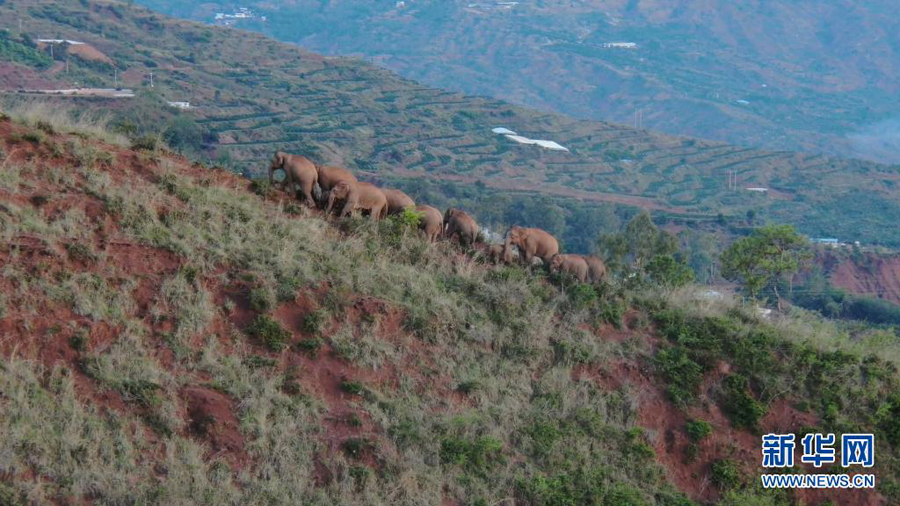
x: 310, y: 346
x: 682, y: 374
x: 315, y: 322
x: 356, y: 446
x: 269, y: 332
x: 476, y: 456
x: 352, y: 387
x: 725, y: 474
x: 698, y: 430
x: 262, y: 299
x: 742, y: 409
x: 145, y: 143
x: 261, y: 187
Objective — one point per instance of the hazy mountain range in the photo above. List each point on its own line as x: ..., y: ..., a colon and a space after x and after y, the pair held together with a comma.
x: 798, y: 75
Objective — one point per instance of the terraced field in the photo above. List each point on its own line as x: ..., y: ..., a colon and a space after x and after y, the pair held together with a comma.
x: 257, y: 95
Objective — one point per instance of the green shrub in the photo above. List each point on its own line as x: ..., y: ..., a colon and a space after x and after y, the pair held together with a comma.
x: 624, y: 495
x: 286, y: 288
x: 311, y: 346
x: 889, y: 419
x: 145, y: 143
x: 33, y: 137
x: 80, y: 252
x: 476, y: 456
x: 269, y: 332
x: 682, y: 374
x: 315, y: 322
x: 352, y: 387
x: 698, y: 430
x: 262, y: 299
x: 742, y: 409
x: 141, y: 391
x: 356, y: 447
x: 261, y: 187
x: 79, y: 340
x: 636, y: 446
x: 725, y: 474
x: 468, y: 387
x: 259, y: 362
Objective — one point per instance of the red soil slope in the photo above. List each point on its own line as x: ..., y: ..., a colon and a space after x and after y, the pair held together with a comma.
x: 210, y: 415
x: 872, y: 275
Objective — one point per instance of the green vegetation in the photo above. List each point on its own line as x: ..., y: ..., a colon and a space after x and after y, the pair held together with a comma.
x: 22, y: 51
x: 818, y: 294
x: 402, y: 326
x: 269, y: 332
x: 255, y: 96
x: 765, y: 258
x: 698, y: 430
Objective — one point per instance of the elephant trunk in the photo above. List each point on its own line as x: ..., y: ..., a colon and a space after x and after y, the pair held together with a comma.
x: 330, y: 203
x: 506, y: 244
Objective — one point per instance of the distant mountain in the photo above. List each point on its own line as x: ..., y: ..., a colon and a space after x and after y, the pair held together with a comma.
x: 251, y: 95
x: 799, y: 75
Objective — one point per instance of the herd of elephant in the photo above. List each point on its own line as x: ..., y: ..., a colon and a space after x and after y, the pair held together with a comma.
x: 302, y: 176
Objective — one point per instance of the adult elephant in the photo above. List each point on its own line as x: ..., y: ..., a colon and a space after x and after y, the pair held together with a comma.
x: 329, y: 176
x: 573, y: 265
x: 358, y: 196
x: 298, y: 171
x: 459, y: 223
x: 532, y: 242
x: 431, y: 222
x: 596, y: 269
x: 397, y: 200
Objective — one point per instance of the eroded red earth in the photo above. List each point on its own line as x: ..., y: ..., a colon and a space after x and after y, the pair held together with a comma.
x: 212, y: 416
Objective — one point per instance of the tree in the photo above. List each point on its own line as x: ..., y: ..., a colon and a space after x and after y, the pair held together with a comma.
x: 643, y: 253
x: 769, y: 255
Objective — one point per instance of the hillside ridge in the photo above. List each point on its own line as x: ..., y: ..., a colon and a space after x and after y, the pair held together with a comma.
x: 243, y: 349
x: 254, y: 95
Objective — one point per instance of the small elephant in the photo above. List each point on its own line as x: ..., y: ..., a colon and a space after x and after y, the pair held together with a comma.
x: 430, y: 222
x: 532, y: 242
x: 460, y: 224
x: 496, y: 254
x: 363, y: 196
x: 596, y: 269
x: 573, y: 265
x: 298, y: 170
x: 397, y: 200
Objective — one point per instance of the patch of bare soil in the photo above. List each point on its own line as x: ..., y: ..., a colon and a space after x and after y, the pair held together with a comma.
x: 687, y: 467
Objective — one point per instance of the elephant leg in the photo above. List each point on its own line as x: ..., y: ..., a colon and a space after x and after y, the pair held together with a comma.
x: 307, y: 193
x: 348, y: 208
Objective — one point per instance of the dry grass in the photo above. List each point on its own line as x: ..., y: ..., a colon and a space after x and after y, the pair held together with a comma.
x: 66, y: 119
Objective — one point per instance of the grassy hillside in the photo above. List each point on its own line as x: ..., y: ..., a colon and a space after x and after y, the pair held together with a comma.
x: 798, y: 75
x: 168, y: 336
x: 254, y: 95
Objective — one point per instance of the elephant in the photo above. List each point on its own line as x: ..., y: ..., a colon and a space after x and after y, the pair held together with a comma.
x: 460, y: 224
x: 358, y: 195
x: 596, y: 269
x: 397, y: 201
x: 496, y: 254
x: 532, y: 242
x: 297, y: 170
x: 329, y: 176
x: 430, y: 222
x: 573, y: 265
